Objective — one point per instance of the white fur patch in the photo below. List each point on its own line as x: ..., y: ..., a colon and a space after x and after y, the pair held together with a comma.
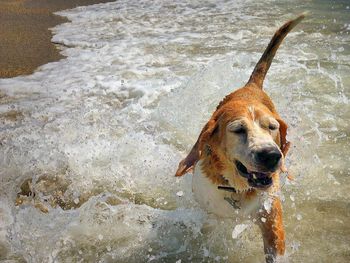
x: 252, y: 112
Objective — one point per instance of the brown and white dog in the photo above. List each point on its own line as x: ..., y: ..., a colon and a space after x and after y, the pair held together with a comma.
x: 240, y: 153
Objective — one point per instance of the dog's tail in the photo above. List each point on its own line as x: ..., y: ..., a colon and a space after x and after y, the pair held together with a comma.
x: 264, y: 63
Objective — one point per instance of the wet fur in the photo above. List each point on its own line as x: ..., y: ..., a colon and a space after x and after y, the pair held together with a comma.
x: 209, y: 159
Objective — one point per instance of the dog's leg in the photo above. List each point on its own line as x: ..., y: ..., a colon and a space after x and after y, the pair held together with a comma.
x: 271, y: 225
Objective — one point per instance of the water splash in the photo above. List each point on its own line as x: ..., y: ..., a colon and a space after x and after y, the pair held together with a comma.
x: 89, y: 144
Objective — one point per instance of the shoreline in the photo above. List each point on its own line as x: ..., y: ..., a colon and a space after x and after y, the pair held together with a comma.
x: 25, y: 42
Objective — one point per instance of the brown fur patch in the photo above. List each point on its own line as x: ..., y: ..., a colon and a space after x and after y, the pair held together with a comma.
x: 212, y: 166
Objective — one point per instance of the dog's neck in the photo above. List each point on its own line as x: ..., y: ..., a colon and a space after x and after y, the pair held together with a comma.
x: 220, y: 170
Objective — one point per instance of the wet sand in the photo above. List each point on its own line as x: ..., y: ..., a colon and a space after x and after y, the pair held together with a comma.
x: 25, y: 38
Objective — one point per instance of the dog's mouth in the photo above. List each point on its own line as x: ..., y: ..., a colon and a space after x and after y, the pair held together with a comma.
x: 255, y: 179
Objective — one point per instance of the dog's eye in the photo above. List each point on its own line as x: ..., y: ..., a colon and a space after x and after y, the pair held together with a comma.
x: 239, y: 130
x: 273, y: 126
x: 237, y: 127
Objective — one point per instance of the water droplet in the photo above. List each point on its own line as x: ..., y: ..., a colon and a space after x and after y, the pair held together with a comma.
x: 292, y: 198
x: 238, y: 230
x: 180, y: 193
x: 295, y: 246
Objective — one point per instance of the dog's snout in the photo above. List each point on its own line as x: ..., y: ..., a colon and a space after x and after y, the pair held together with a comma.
x: 269, y: 157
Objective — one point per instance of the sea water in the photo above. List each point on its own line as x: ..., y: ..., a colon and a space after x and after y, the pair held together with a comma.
x: 89, y: 145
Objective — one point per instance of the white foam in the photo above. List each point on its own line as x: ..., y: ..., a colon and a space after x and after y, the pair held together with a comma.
x: 104, y: 130
x: 238, y: 229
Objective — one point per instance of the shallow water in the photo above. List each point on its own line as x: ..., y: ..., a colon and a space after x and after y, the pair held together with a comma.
x: 89, y: 144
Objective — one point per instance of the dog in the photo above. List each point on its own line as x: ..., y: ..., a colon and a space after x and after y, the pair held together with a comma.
x: 240, y: 153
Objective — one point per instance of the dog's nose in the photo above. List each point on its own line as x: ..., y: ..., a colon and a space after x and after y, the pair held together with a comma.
x: 269, y: 157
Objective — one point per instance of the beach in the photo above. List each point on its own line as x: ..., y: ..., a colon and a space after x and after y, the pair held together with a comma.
x: 25, y: 42
x: 89, y: 144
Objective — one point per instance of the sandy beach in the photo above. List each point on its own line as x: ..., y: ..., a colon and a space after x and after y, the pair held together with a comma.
x: 25, y: 41
x: 90, y: 143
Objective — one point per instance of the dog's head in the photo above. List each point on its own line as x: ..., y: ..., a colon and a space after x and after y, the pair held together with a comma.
x: 252, y: 140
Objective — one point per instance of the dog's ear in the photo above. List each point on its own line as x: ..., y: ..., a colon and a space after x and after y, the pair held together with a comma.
x: 186, y: 165
x: 284, y: 144
x: 208, y: 131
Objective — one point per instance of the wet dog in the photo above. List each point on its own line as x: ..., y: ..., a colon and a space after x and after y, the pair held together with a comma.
x: 240, y: 153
